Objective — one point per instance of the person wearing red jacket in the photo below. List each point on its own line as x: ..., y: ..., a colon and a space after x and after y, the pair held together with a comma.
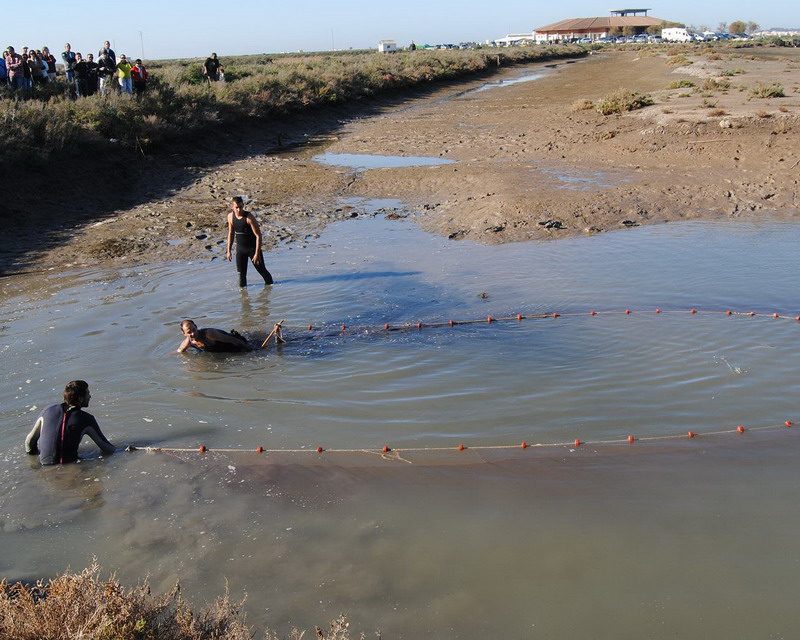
x: 139, y: 75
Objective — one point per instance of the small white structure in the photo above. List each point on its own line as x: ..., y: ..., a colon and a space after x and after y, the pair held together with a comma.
x: 676, y: 34
x: 387, y: 46
x: 514, y: 39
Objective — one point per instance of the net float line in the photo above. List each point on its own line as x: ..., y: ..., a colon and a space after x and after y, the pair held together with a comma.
x: 519, y: 317
x: 386, y: 449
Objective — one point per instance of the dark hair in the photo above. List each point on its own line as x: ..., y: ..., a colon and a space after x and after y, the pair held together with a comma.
x: 75, y: 392
x: 238, y: 200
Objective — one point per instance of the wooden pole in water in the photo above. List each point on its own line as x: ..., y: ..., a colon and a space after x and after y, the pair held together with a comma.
x: 276, y: 331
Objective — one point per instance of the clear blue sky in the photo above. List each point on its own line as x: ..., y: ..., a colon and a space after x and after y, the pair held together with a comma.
x: 178, y: 28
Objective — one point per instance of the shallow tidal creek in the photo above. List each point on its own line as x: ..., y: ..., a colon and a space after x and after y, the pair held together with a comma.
x: 658, y: 539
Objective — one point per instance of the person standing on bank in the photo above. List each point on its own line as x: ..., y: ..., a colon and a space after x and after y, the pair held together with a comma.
x: 59, y: 430
x: 243, y: 227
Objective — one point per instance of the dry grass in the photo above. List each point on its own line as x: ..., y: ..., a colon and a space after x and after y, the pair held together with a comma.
x: 774, y: 90
x: 716, y: 84
x: 763, y: 114
x: 717, y: 113
x: 582, y: 105
x: 84, y: 605
x: 623, y: 100
x: 681, y: 84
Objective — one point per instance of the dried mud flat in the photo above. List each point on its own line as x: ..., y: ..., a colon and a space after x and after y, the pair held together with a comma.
x: 529, y: 163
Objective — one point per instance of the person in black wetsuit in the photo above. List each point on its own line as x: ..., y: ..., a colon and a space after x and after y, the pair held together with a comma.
x: 213, y: 340
x: 242, y: 227
x: 59, y: 430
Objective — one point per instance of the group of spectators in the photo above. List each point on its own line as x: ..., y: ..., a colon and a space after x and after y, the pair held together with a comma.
x: 21, y: 71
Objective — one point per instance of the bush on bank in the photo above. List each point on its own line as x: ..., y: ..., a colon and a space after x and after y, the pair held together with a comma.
x: 85, y: 605
x: 178, y: 103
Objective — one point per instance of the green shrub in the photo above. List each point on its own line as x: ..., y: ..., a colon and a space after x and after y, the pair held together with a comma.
x: 681, y: 84
x: 623, y: 100
x: 713, y: 84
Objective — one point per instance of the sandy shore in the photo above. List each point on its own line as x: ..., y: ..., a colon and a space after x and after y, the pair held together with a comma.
x: 529, y: 164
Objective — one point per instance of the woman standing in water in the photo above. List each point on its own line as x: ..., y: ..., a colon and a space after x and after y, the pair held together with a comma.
x: 243, y: 227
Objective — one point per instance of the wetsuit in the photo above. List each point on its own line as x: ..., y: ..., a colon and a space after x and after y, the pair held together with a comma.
x: 58, y: 432
x: 235, y: 344
x: 246, y: 249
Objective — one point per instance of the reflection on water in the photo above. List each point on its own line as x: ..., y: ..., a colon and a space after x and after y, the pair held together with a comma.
x: 473, y: 544
x: 362, y: 161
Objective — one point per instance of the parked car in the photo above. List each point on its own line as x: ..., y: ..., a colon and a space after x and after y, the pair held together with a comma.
x: 655, y: 39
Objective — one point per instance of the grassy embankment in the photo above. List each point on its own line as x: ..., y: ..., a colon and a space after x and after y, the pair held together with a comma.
x: 178, y: 103
x: 86, y: 605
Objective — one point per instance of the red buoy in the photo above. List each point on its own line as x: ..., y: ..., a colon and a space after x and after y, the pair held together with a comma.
x: 202, y: 448
x: 311, y: 327
x: 593, y: 312
x: 320, y: 450
x: 461, y: 447
x: 556, y: 315
x: 751, y: 314
x: 694, y: 311
x: 386, y: 448
x: 691, y: 434
x: 419, y: 325
x: 519, y: 316
x: 788, y: 423
x: 344, y: 327
x: 577, y: 443
x: 627, y: 312
x: 489, y: 319
x: 797, y: 318
x: 631, y: 439
x: 259, y: 449
x: 524, y: 445
x: 451, y: 323
x: 740, y: 429
x: 386, y: 326
x: 775, y: 315
x: 658, y: 310
x: 729, y: 312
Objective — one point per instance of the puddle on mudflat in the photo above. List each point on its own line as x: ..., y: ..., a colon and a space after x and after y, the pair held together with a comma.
x: 469, y: 544
x: 577, y: 180
x: 508, y: 82
x: 364, y: 162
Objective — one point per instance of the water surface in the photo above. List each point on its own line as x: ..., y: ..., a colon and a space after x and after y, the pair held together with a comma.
x: 658, y: 540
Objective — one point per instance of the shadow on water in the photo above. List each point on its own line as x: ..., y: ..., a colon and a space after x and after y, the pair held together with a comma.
x: 43, y: 218
x: 346, y: 277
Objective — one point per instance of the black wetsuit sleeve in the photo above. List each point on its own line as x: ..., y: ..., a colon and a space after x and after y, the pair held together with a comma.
x: 32, y: 441
x: 92, y: 429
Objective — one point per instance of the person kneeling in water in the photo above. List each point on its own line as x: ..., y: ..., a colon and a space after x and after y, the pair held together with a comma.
x: 59, y: 430
x: 213, y: 340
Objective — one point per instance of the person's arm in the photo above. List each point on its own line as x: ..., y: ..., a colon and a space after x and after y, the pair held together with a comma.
x: 185, y: 345
x: 257, y: 230
x: 32, y: 441
x: 229, y: 240
x: 93, y: 431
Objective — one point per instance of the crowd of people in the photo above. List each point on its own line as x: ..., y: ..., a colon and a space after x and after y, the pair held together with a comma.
x: 83, y: 75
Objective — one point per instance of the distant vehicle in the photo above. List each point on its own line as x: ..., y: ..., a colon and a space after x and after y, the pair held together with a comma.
x: 676, y: 34
x: 621, y: 40
x: 640, y: 38
x: 606, y: 40
x: 387, y: 46
x: 585, y: 41
x: 655, y: 39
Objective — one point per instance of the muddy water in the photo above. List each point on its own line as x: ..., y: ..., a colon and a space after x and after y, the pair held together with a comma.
x: 670, y: 539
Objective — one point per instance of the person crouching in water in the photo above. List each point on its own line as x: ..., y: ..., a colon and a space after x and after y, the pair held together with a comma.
x: 243, y: 227
x: 59, y: 430
x: 213, y: 340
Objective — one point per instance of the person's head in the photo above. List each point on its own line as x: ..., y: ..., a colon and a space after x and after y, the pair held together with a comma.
x: 91, y: 57
x: 122, y: 58
x: 213, y: 56
x: 76, y: 393
x: 46, y: 51
x: 106, y: 45
x: 10, y: 50
x: 104, y: 55
x: 24, y: 50
x: 237, y: 204
x: 67, y: 47
x: 138, y: 62
x: 188, y: 328
x: 78, y: 57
